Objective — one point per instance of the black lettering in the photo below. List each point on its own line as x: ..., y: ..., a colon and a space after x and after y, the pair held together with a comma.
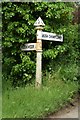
x: 51, y: 36
x: 44, y: 35
x: 38, y: 22
x: 30, y: 46
x: 24, y: 47
x: 58, y: 36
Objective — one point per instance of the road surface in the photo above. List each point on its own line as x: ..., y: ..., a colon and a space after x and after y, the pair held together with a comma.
x: 70, y: 111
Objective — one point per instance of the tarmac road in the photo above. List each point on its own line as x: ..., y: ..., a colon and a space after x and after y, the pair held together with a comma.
x: 70, y: 111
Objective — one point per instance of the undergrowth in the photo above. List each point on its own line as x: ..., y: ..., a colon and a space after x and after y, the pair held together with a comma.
x: 29, y: 102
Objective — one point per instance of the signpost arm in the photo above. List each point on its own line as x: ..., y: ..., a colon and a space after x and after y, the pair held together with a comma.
x: 39, y: 24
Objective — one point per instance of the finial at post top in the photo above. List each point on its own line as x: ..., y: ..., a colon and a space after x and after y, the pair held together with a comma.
x: 39, y: 22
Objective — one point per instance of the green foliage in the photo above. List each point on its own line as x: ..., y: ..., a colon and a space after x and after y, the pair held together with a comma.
x: 22, y: 73
x: 18, y: 19
x: 53, y: 53
x: 31, y: 103
x: 69, y: 73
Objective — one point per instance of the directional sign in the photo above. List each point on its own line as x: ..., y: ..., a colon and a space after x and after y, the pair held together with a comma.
x: 28, y: 47
x: 39, y: 22
x: 51, y: 36
x: 39, y: 25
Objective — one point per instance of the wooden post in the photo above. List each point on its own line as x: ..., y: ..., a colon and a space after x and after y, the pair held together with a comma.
x: 38, y: 58
x: 39, y: 26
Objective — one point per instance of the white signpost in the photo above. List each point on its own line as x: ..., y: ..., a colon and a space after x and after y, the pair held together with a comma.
x: 39, y: 24
x: 51, y: 36
x: 29, y: 47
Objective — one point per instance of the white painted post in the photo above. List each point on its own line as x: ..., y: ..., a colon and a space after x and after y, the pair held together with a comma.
x: 39, y: 26
x: 38, y: 60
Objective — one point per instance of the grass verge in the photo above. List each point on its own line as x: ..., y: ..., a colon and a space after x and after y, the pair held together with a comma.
x: 29, y: 102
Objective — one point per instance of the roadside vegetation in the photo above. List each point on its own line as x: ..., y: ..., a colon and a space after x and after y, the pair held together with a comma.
x: 60, y: 61
x: 29, y: 102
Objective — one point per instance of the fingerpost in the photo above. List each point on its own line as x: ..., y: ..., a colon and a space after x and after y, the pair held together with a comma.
x: 39, y: 26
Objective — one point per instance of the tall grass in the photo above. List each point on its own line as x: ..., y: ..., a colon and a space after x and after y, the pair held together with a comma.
x: 30, y: 102
x: 0, y: 94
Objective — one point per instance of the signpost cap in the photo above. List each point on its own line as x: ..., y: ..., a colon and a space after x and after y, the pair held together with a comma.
x: 39, y: 22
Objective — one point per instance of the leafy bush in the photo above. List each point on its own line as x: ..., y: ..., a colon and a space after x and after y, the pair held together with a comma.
x: 69, y: 72
x: 18, y: 19
x: 22, y: 73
